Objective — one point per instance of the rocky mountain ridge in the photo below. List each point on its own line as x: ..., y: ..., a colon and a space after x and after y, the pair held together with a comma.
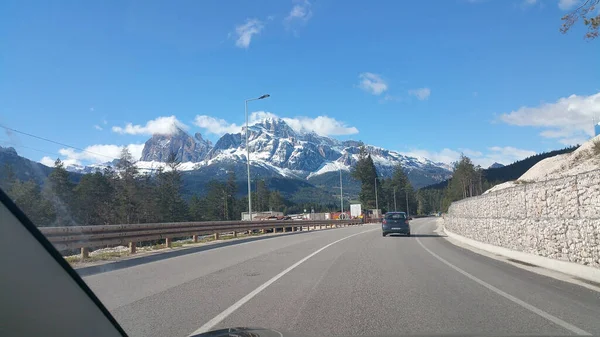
x: 275, y: 146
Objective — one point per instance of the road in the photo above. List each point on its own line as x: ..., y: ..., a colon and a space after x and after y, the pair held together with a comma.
x: 345, y: 282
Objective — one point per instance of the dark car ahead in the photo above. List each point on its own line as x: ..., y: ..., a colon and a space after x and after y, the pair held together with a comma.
x: 395, y: 223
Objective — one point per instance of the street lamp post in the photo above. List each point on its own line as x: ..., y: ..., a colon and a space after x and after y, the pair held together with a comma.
x: 248, y: 153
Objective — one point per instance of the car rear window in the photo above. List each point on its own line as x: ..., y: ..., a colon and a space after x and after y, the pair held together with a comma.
x: 395, y: 216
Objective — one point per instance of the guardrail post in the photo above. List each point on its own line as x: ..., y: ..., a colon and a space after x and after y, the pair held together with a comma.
x: 217, y: 235
x: 168, y: 242
x: 195, y: 238
x: 85, y: 253
x: 132, y: 247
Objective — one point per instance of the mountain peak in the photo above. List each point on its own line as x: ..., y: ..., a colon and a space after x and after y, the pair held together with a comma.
x: 185, y: 147
x: 495, y: 165
x: 277, y: 126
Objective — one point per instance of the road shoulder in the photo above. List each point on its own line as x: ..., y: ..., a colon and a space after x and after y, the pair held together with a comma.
x: 534, y: 264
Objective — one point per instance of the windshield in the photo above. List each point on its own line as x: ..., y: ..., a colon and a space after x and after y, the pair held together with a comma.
x: 395, y: 216
x: 205, y: 165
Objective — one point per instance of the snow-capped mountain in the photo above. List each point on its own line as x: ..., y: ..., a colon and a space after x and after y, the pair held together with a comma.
x: 185, y: 147
x: 275, y: 147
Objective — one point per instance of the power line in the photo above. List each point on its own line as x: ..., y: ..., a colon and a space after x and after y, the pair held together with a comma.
x: 13, y: 144
x: 55, y: 142
x: 61, y: 144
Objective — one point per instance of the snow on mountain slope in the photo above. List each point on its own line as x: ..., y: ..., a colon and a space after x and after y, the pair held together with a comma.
x: 277, y: 148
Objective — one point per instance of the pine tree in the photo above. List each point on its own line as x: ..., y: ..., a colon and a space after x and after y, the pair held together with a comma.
x: 364, y: 171
x: 276, y: 201
x: 58, y: 189
x: 262, y: 196
x: 404, y: 190
x: 94, y: 200
x: 197, y: 209
x: 170, y: 203
x: 216, y: 200
x: 7, y: 177
x: 231, y: 191
x: 28, y: 196
x: 126, y: 189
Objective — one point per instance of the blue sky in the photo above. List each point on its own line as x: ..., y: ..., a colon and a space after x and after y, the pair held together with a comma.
x: 494, y: 79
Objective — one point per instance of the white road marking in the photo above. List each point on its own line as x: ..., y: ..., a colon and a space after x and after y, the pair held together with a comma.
x: 525, y: 305
x: 220, y: 317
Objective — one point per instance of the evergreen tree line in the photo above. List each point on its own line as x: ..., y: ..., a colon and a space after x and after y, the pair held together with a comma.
x: 124, y: 195
x: 467, y: 181
x: 393, y: 194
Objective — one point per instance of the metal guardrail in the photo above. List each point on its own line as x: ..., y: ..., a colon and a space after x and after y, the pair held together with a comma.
x: 86, y: 237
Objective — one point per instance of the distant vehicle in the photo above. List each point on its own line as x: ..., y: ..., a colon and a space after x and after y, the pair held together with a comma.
x: 395, y: 223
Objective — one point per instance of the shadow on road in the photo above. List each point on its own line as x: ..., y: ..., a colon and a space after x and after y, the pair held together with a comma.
x: 136, y: 261
x: 420, y: 235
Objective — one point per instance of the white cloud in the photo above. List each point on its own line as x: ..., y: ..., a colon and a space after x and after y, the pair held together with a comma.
x: 258, y: 116
x: 372, y: 83
x: 446, y: 155
x: 158, y: 126
x: 50, y: 161
x: 471, y: 153
x: 421, y: 93
x: 246, y: 31
x: 567, y: 4
x: 99, y: 153
x: 301, y: 12
x: 215, y: 126
x: 567, y: 119
x: 322, y: 125
x: 504, y: 155
x: 509, y: 153
x: 98, y: 127
x: 529, y: 2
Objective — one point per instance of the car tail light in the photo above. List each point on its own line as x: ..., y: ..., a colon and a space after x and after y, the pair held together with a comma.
x: 384, y: 221
x: 406, y: 222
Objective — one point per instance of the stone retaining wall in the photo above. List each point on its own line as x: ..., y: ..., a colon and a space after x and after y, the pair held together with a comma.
x: 558, y: 218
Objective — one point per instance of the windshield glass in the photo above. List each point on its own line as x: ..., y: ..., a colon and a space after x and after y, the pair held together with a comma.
x: 395, y: 216
x: 203, y: 165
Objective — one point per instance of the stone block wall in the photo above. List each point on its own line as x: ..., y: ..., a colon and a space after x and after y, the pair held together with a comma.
x: 559, y: 218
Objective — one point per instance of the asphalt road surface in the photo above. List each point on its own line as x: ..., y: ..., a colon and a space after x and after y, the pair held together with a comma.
x: 344, y: 282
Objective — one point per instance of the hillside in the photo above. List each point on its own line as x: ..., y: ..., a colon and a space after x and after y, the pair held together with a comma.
x: 584, y: 159
x: 23, y: 168
x: 513, y: 171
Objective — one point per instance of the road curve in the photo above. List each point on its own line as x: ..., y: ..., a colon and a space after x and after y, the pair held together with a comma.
x: 345, y: 282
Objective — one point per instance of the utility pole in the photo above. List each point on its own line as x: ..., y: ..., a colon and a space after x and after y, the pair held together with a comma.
x: 407, y: 211
x: 376, y: 202
x: 248, y: 152
x: 341, y: 193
